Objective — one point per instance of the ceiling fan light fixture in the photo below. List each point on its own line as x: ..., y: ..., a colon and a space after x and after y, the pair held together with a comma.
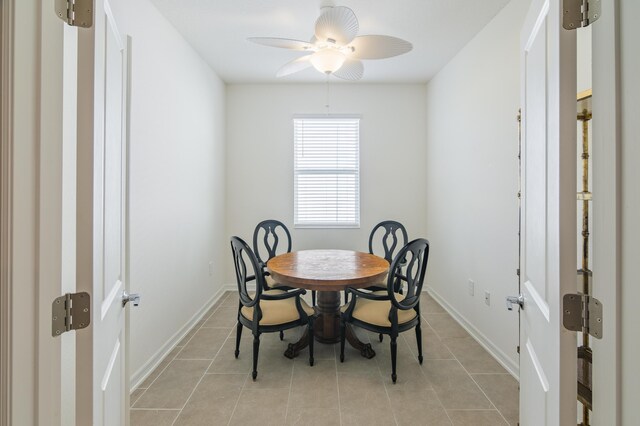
x: 335, y: 48
x: 328, y: 61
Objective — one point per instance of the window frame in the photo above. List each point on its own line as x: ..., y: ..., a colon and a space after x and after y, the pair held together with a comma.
x: 351, y: 172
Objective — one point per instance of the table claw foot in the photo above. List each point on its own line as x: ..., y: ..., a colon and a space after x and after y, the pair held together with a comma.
x: 366, y: 351
x: 291, y: 351
x: 365, y: 348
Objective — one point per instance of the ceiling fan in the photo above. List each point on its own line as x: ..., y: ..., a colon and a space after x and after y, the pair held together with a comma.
x: 335, y: 47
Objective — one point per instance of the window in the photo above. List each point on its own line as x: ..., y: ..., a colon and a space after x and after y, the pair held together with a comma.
x: 326, y: 172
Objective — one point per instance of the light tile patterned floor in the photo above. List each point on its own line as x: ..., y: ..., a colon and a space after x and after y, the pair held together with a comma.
x: 201, y: 383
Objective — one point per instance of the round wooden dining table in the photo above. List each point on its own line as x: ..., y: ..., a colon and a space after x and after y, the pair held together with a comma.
x: 328, y: 272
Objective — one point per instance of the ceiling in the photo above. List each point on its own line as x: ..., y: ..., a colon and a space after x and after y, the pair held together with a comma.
x: 218, y: 30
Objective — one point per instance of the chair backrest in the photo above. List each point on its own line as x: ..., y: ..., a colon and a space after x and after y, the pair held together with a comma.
x: 269, y: 232
x: 388, y: 235
x: 416, y: 255
x: 247, y: 268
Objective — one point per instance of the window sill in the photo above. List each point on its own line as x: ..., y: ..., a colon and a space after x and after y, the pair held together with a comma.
x: 326, y: 226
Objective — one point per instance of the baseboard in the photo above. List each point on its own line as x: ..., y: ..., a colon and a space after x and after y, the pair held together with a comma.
x: 143, y: 372
x: 234, y: 287
x: 493, y: 350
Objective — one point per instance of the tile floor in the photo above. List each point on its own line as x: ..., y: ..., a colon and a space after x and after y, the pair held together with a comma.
x: 201, y: 383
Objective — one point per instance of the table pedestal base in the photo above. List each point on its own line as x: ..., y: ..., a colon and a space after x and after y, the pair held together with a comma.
x: 327, y: 327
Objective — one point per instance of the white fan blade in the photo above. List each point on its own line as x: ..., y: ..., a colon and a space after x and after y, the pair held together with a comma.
x: 338, y: 24
x: 294, y: 66
x: 284, y: 43
x: 379, y: 47
x: 352, y: 69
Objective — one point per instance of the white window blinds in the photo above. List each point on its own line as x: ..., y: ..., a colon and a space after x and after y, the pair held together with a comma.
x: 326, y: 172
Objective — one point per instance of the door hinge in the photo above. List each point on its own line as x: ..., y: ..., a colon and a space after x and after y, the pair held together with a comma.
x: 518, y: 348
x: 582, y: 313
x: 71, y: 311
x: 77, y: 13
x: 580, y: 13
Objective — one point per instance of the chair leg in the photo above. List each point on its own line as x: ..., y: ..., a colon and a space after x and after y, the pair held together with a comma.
x: 419, y: 342
x: 313, y: 298
x: 380, y: 336
x: 256, y: 348
x: 281, y: 335
x: 238, y: 335
x: 343, y: 327
x: 346, y: 297
x: 311, y: 340
x: 394, y: 353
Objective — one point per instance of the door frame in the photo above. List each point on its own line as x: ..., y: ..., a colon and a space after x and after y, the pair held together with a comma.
x: 607, y: 209
x: 6, y: 172
x: 31, y: 117
x: 18, y: 168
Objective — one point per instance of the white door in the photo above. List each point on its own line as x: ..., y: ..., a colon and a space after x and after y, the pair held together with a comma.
x: 547, y: 350
x: 102, y: 376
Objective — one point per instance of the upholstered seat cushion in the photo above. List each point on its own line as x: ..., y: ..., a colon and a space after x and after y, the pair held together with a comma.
x: 271, y: 283
x: 381, y: 283
x: 376, y: 312
x: 276, y: 312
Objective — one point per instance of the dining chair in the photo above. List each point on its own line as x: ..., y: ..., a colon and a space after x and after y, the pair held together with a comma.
x: 266, y: 238
x: 387, y: 311
x: 386, y: 234
x: 268, y: 311
x: 270, y: 232
x: 384, y: 239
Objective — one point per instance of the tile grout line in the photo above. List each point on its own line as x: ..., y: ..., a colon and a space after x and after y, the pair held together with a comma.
x: 491, y: 374
x: 244, y: 384
x: 132, y: 403
x: 482, y: 390
x: 472, y: 409
x: 155, y: 409
x: 293, y: 370
x: 154, y: 380
x: 424, y: 375
x: 209, y: 366
x: 203, y: 320
x: 336, y: 361
x: 384, y: 385
x: 380, y: 373
x: 174, y: 357
x: 219, y: 303
x: 246, y: 377
x: 446, y: 412
x: 465, y: 370
x: 335, y: 348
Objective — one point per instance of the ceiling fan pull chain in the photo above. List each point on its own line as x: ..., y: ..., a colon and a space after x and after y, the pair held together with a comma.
x: 327, y: 105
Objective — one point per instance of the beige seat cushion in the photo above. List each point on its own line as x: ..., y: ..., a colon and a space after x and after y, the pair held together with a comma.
x: 382, y: 282
x: 376, y: 312
x: 271, y: 283
x: 276, y: 312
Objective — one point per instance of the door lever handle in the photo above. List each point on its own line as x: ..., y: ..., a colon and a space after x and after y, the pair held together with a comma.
x: 134, y: 298
x: 512, y: 300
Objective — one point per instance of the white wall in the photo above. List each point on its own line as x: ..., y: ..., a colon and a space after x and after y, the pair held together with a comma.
x: 472, y: 182
x: 260, y: 158
x: 177, y: 182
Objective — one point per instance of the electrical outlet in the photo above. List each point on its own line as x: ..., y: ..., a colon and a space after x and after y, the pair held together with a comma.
x: 487, y: 298
x: 471, y: 287
x: 211, y: 268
